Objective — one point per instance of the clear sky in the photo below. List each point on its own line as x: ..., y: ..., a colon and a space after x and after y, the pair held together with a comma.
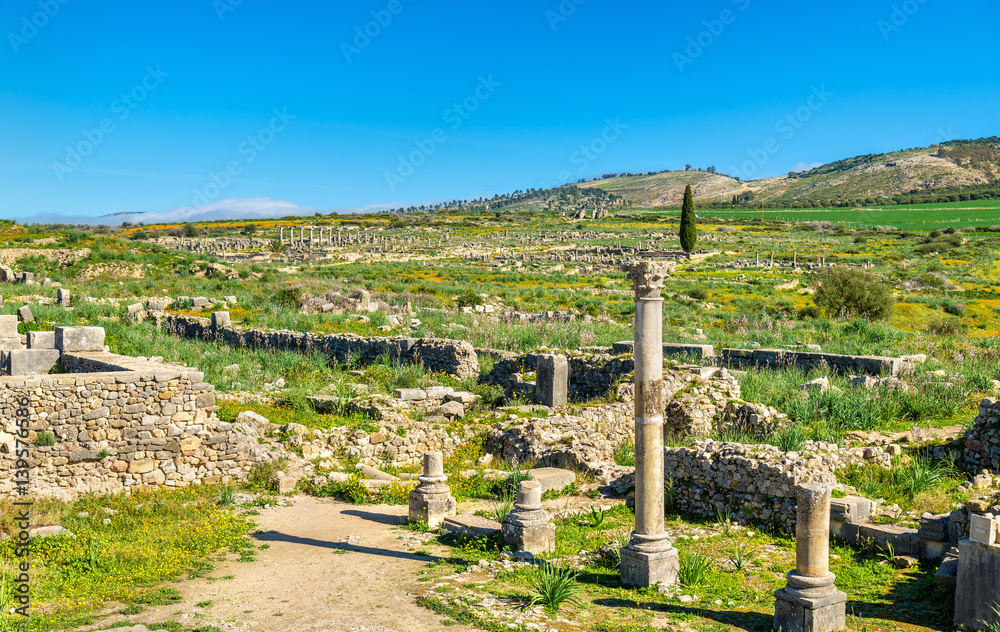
x: 117, y: 105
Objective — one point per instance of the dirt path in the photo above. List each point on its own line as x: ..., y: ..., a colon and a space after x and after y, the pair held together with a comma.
x: 305, y: 580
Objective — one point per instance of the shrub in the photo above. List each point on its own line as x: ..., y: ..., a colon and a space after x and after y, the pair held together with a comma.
x: 698, y: 293
x: 946, y: 326
x: 848, y: 293
x: 553, y: 587
x: 810, y: 311
x: 45, y: 438
x: 694, y: 568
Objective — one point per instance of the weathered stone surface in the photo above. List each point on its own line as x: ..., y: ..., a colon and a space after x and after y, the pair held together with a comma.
x: 41, y: 340
x: 552, y: 478
x: 75, y: 339
x: 470, y: 525
x: 24, y: 312
x: 28, y: 361
x: 978, y: 585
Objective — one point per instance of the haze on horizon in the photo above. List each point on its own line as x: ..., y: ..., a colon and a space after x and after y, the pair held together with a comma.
x: 121, y: 108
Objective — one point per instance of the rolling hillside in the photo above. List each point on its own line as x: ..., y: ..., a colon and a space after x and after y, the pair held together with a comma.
x: 951, y: 166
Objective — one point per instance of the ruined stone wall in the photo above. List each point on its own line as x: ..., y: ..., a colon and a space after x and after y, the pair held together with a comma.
x: 454, y: 357
x: 119, y: 424
x: 590, y: 376
x: 805, y: 360
x: 982, y: 442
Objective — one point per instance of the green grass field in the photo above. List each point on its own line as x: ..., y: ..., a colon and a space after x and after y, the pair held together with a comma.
x: 917, y: 217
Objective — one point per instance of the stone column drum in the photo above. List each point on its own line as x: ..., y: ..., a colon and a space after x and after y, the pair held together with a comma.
x: 527, y: 528
x: 649, y: 559
x: 432, y: 501
x: 810, y: 602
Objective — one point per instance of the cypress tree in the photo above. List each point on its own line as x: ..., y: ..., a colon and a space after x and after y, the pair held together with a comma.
x: 688, y: 231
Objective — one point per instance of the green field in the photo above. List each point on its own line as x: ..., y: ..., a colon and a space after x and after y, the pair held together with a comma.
x: 916, y: 217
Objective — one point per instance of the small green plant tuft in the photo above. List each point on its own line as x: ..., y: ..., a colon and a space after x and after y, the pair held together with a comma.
x: 695, y: 568
x: 554, y: 587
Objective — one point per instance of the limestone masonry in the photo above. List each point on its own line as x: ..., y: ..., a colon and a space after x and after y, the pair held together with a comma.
x: 114, y: 423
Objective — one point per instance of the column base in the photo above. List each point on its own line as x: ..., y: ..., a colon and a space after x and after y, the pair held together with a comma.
x: 649, y: 569
x: 534, y: 539
x: 431, y: 509
x: 806, y: 614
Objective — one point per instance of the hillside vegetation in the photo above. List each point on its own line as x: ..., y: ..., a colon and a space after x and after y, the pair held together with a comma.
x: 970, y: 166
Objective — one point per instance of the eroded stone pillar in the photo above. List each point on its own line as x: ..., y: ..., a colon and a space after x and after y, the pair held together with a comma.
x: 811, y: 602
x: 432, y: 501
x: 527, y: 528
x: 649, y: 558
x: 552, y: 380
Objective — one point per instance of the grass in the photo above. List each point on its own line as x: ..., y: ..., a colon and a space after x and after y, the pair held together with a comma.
x: 154, y: 537
x: 737, y: 570
x: 554, y: 587
x: 909, y: 480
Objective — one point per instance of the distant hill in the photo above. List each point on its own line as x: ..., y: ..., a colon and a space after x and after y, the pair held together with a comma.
x: 940, y: 170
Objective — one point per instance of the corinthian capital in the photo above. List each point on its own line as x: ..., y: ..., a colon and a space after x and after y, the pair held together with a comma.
x: 647, y: 277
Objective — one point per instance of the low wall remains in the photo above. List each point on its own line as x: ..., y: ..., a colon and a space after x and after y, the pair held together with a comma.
x: 455, y: 357
x: 118, y: 423
x: 982, y: 442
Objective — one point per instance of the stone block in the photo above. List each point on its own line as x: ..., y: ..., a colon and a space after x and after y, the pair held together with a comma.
x: 220, y: 319
x: 10, y: 344
x: 797, y: 614
x: 552, y: 477
x: 649, y: 569
x: 142, y: 466
x: 410, y: 394
x: 286, y: 484
x: 8, y: 327
x: 552, y: 380
x: 697, y: 351
x: 24, y: 312
x: 30, y: 361
x: 982, y: 529
x: 74, y: 339
x: 470, y: 525
x: 851, y: 509
x: 201, y: 302
x: 41, y: 340
x: 63, y: 297
x: 977, y: 585
x: 157, y: 304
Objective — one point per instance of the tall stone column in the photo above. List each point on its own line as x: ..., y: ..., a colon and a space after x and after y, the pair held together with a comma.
x: 649, y: 558
x: 281, y: 235
x: 810, y: 602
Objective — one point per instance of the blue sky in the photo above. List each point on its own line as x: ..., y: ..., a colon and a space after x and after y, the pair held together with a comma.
x: 126, y: 107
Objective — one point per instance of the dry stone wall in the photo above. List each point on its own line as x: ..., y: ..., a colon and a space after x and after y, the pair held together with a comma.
x: 118, y: 424
x: 982, y: 443
x: 454, y: 357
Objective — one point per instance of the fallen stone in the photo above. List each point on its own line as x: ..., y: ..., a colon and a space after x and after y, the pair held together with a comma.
x: 470, y: 525
x: 552, y: 477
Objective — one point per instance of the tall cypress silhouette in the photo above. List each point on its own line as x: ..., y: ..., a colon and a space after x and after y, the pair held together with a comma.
x: 688, y: 231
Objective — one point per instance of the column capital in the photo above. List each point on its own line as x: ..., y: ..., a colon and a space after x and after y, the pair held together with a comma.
x: 647, y: 277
